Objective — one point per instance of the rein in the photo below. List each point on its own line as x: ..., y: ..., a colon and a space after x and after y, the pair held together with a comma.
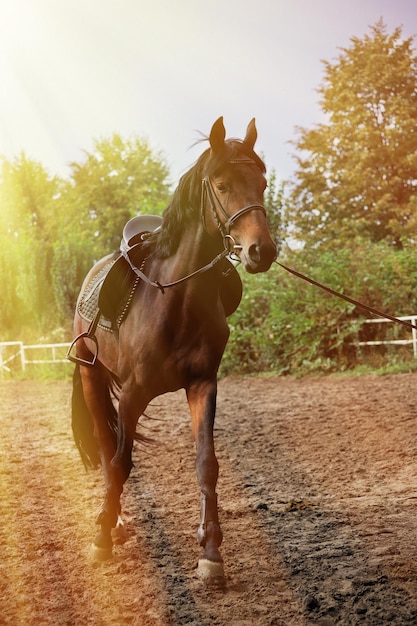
x: 156, y: 283
x: 360, y: 305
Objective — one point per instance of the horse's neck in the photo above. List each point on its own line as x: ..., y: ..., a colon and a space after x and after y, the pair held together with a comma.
x: 196, y: 248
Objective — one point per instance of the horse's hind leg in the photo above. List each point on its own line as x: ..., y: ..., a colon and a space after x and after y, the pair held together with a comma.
x: 202, y: 402
x: 118, y: 468
x: 104, y: 415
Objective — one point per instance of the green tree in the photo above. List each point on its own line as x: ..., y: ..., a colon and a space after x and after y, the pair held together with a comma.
x: 273, y: 201
x: 52, y: 230
x: 357, y: 171
x: 27, y: 195
x: 286, y: 325
x: 118, y: 179
x: 28, y: 203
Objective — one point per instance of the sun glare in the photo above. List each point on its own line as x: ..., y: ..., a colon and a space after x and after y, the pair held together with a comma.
x: 32, y: 71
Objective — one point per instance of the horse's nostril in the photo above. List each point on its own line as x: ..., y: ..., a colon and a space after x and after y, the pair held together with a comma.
x: 261, y: 256
x: 254, y: 253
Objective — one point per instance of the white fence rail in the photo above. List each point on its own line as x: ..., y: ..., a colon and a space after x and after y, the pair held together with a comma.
x: 12, y: 352
x: 400, y: 342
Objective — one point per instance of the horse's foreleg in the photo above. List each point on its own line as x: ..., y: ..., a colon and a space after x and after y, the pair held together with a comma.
x: 202, y: 402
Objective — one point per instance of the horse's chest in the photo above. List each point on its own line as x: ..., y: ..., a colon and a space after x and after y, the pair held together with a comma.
x: 173, y: 348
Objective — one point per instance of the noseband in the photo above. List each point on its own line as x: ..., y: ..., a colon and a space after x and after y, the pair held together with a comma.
x: 207, y: 191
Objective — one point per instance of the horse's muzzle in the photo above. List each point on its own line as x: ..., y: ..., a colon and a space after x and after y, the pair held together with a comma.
x: 258, y: 257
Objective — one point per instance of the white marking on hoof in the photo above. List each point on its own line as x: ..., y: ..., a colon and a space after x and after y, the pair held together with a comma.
x: 211, y: 571
x: 119, y: 533
x: 100, y: 554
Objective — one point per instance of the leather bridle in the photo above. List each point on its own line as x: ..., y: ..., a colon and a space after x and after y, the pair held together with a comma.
x: 229, y: 244
x: 207, y: 193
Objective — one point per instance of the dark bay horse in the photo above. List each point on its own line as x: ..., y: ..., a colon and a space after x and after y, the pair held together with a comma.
x: 173, y: 338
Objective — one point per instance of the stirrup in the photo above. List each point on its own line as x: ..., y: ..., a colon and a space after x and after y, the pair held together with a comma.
x: 89, y: 334
x: 78, y: 360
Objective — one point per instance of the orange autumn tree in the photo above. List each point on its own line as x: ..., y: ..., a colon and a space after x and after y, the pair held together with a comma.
x: 357, y: 170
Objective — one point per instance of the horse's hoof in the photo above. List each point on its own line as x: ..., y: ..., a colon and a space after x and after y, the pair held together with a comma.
x: 211, y: 571
x: 100, y: 554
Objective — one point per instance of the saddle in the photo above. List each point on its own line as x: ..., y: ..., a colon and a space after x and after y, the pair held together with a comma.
x: 108, y: 296
x: 120, y: 282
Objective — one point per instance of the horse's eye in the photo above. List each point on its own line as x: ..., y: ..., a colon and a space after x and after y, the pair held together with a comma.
x: 221, y: 187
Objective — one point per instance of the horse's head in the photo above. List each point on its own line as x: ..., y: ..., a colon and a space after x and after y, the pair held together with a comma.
x: 232, y: 198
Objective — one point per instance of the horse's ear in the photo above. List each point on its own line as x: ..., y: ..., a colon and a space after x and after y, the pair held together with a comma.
x: 217, y: 135
x: 251, y: 134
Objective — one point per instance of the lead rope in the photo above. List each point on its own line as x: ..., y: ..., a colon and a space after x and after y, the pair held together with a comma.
x: 360, y: 305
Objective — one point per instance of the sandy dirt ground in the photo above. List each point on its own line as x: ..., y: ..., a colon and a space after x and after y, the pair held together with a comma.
x: 317, y: 497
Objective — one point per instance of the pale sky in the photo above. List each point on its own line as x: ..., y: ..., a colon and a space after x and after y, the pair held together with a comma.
x: 74, y: 70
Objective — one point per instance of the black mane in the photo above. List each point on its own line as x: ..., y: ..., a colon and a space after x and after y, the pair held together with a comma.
x: 184, y: 207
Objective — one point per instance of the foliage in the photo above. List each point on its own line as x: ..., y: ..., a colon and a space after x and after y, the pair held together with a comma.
x: 28, y: 229
x: 51, y: 230
x: 357, y: 171
x: 274, y: 202
x: 118, y: 180
x: 286, y: 325
x: 351, y: 210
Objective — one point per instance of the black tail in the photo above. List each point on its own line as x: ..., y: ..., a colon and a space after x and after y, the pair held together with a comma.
x: 83, y: 426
